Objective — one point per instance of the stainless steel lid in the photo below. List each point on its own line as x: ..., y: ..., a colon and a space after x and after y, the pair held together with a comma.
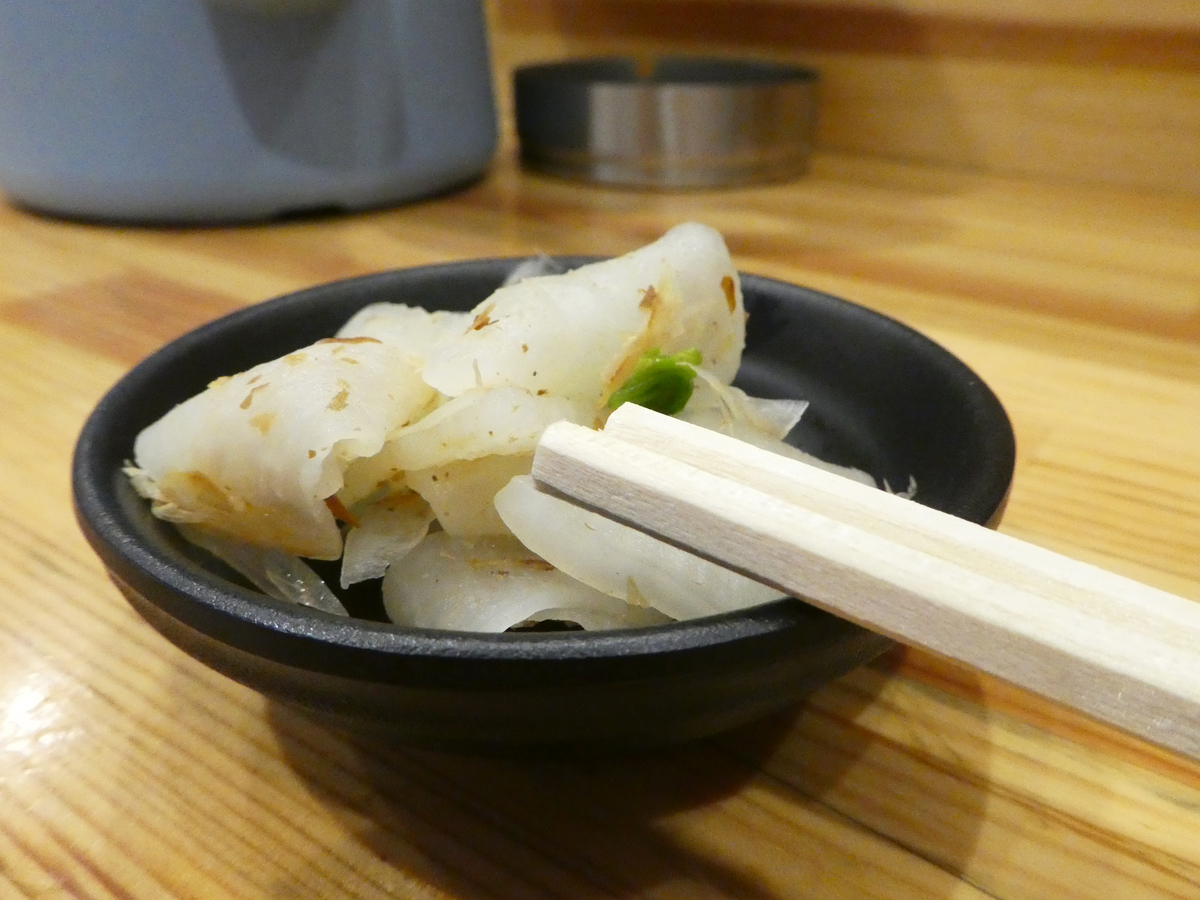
x: 683, y: 123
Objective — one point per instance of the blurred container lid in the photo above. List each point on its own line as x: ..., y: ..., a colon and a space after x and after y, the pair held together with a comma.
x: 678, y: 123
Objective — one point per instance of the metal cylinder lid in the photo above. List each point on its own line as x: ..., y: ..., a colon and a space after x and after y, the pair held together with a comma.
x: 681, y: 123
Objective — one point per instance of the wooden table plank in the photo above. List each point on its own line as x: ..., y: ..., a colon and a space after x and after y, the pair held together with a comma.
x: 129, y: 770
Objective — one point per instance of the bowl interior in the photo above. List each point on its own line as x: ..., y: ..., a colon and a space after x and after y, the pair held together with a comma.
x: 883, y: 398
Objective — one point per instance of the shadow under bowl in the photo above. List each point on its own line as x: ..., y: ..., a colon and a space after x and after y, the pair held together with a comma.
x: 883, y: 398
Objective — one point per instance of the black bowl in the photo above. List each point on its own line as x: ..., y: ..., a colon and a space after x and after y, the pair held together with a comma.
x: 884, y: 398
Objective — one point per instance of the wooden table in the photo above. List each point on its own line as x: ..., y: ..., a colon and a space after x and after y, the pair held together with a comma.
x: 129, y: 770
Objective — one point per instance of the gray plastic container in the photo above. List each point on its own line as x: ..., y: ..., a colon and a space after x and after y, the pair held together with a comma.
x: 219, y: 110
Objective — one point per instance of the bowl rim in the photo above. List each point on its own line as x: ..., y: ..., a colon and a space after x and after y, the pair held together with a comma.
x: 207, y: 601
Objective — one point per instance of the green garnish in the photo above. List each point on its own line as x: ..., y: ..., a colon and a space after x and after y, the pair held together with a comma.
x: 661, y: 383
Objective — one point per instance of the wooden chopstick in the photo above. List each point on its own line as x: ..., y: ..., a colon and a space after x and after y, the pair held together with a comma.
x: 1120, y: 651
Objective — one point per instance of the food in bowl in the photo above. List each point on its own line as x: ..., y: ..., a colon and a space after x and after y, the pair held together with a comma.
x: 884, y: 398
x: 402, y: 445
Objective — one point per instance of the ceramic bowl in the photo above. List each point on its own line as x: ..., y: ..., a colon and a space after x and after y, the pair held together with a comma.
x: 883, y: 398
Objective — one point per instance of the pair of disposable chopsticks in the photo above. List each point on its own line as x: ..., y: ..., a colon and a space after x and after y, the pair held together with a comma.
x: 1113, y: 648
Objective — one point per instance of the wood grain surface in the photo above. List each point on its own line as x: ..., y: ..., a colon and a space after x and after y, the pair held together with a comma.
x: 128, y: 770
x: 1078, y: 90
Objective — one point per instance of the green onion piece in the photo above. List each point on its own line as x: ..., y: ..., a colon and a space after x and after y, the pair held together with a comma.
x: 661, y: 383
